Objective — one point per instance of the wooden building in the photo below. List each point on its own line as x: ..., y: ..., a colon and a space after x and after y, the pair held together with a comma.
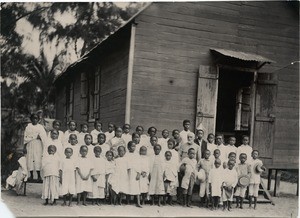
x: 229, y: 66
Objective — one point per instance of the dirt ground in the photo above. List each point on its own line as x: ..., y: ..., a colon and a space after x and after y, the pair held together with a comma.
x: 31, y: 205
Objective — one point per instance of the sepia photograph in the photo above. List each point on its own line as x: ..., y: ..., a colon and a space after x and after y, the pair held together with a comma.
x: 150, y: 109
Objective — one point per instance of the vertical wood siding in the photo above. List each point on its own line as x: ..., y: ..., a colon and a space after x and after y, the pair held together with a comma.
x: 173, y: 39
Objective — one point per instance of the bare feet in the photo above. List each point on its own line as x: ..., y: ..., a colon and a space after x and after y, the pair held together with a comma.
x: 63, y: 204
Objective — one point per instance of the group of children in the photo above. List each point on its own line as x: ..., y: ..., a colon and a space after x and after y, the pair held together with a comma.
x: 115, y: 166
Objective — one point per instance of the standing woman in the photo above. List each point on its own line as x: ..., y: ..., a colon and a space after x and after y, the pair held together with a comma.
x: 34, y: 138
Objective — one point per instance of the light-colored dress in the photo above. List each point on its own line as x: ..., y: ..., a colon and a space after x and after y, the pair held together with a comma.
x: 105, y: 148
x: 110, y: 168
x: 95, y: 134
x: 114, y: 143
x: 68, y: 176
x: 190, y: 172
x: 98, y: 187
x: 157, y: 169
x: 145, y: 167
x: 80, y: 138
x: 34, y: 145
x: 247, y: 149
x: 230, y: 180
x: 215, y: 178
x: 206, y: 165
x: 109, y: 135
x: 59, y: 147
x: 255, y: 177
x: 119, y: 179
x: 183, y: 135
x: 164, y: 144
x: 75, y: 149
x: 231, y: 148
x: 211, y: 147
x: 50, y: 166
x: 85, y: 165
x: 61, y: 136
x: 67, y: 135
x: 171, y: 175
x: 127, y: 138
x: 223, y: 153
x: 134, y: 167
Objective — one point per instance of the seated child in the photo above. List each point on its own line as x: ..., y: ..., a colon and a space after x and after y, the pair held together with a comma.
x: 157, y: 168
x: 229, y: 182
x: 98, y: 177
x: 111, y: 131
x: 243, y: 169
x: 126, y: 135
x: 67, y: 175
x: 188, y: 180
x: 144, y: 178
x: 170, y: 178
x: 215, y: 180
x: 18, y: 177
x: 50, y: 167
x: 206, y: 164
x: 84, y: 167
x: 164, y: 140
x: 84, y: 130
x: 116, y: 141
x: 96, y: 131
x: 134, y: 173
x: 104, y: 146
x: 110, y: 167
x: 254, y: 178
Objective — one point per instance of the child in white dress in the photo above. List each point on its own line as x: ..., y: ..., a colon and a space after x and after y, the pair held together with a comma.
x: 136, y: 139
x: 111, y: 131
x: 144, y: 178
x: 72, y: 125
x: 157, y: 169
x: 117, y: 141
x: 67, y: 174
x: 73, y: 143
x: 53, y: 140
x: 104, y: 146
x: 96, y: 131
x: 84, y: 167
x: 170, y: 178
x: 134, y: 173
x: 98, y: 177
x: 229, y: 183
x: 56, y: 125
x: 110, y: 167
x: 245, y: 148
x: 84, y: 127
x: 34, y: 140
x: 51, y: 166
x: 144, y: 139
x: 88, y: 140
x: 164, y: 141
x: 126, y: 136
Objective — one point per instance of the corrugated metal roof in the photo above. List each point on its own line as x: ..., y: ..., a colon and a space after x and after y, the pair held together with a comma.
x: 242, y: 55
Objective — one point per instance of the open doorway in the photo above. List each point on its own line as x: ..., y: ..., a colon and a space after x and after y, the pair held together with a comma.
x: 233, y: 104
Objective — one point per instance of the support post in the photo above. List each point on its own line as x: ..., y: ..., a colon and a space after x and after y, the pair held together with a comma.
x: 129, y: 74
x: 277, y: 182
x: 269, y: 179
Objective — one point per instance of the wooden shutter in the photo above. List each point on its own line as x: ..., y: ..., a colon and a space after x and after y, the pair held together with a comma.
x: 97, y: 93
x: 207, y: 98
x: 264, y: 114
x: 69, y: 101
x: 83, y: 94
x: 243, y: 109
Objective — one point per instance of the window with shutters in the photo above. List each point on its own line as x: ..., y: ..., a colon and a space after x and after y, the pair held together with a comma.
x: 243, y: 111
x: 69, y: 101
x: 84, y: 94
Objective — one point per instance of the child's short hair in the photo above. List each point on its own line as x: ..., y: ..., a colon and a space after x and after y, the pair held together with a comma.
x: 72, y: 121
x: 97, y: 122
x: 143, y: 148
x: 56, y: 122
x: 190, y: 150
x: 165, y: 130
x: 232, y: 137
x: 186, y: 121
x: 245, y: 136
x: 231, y: 153
x: 157, y: 145
x: 153, y: 137
x: 219, y: 134
x: 109, y: 152
x: 168, y: 152
x: 231, y: 161
x: 118, y: 128
x: 68, y: 148
x: 97, y: 148
x: 243, y: 154
x: 135, y: 134
x: 206, y: 150
x: 217, y: 150
x: 126, y: 124
x: 51, y: 147
x: 152, y: 127
x: 255, y: 151
x: 88, y: 134
x: 121, y: 146
x: 84, y: 124
x: 101, y: 134
x: 111, y: 123
x: 172, y: 140
x: 82, y: 147
x: 54, y: 130
x: 130, y: 143
x: 199, y: 130
x: 33, y: 115
x: 174, y: 131
x: 72, y: 135
x: 136, y: 129
x: 210, y: 134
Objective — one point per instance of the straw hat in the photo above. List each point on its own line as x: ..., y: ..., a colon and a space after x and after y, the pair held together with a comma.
x: 243, y: 180
x: 201, y: 175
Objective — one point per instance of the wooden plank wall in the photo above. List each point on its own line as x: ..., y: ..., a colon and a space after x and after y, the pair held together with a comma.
x: 173, y: 39
x: 60, y: 104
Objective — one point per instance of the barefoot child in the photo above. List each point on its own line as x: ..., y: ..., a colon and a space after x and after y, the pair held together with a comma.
x: 51, y: 167
x: 243, y: 169
x: 170, y: 178
x: 98, y: 177
x: 215, y: 180
x: 229, y: 183
x: 84, y: 167
x: 188, y: 180
x: 34, y: 140
x: 96, y: 131
x: 67, y: 174
x: 110, y: 167
x: 157, y: 168
x: 134, y: 173
x: 144, y: 178
x: 256, y: 167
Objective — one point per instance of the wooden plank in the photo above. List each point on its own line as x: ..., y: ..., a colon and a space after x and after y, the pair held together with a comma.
x: 277, y: 183
x: 266, y: 191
